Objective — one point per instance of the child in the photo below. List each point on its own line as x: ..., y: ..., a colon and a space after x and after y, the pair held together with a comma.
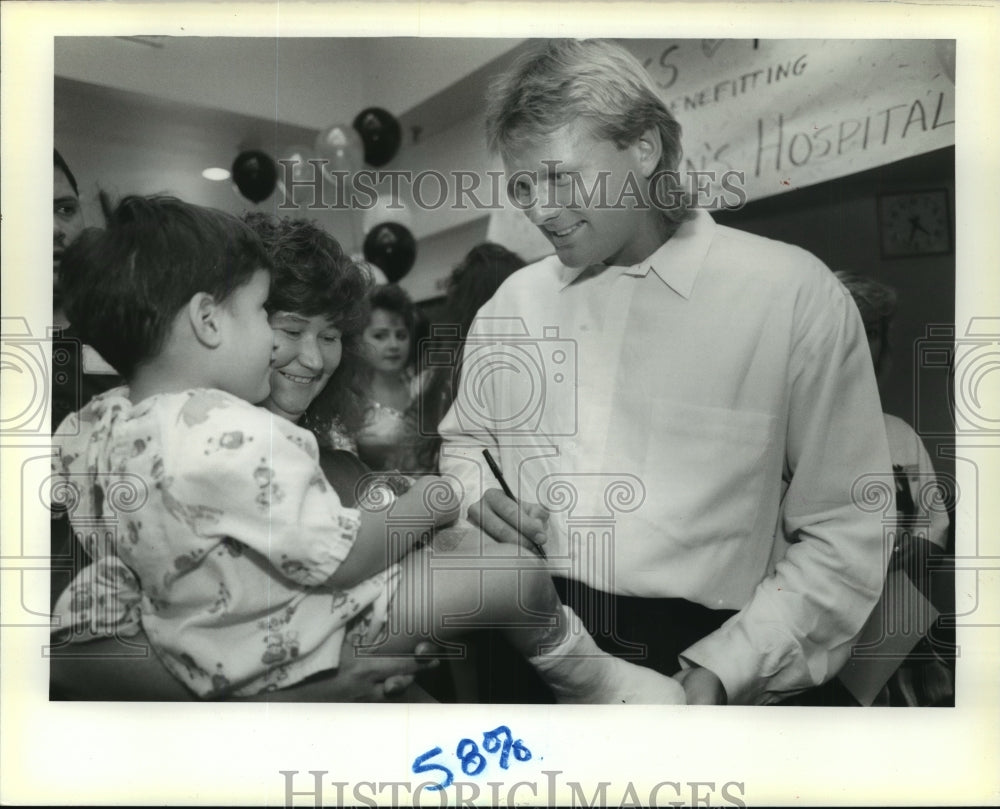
x: 251, y: 570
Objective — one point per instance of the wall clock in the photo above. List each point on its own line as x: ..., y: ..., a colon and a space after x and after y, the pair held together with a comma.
x: 914, y: 223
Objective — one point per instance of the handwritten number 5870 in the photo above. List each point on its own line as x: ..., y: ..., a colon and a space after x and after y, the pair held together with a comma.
x: 499, y: 740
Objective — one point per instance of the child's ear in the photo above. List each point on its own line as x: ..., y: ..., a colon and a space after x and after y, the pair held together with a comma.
x: 203, y: 314
x: 649, y: 149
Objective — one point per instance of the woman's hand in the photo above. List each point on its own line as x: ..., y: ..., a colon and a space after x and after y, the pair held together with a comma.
x: 505, y: 520
x: 370, y: 678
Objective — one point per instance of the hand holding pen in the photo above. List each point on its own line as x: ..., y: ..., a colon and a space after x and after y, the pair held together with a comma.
x: 503, y: 518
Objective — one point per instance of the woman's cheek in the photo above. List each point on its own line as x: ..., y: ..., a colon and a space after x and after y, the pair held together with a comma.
x: 283, y: 352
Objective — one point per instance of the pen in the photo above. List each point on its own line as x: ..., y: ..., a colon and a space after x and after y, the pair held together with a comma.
x: 495, y: 469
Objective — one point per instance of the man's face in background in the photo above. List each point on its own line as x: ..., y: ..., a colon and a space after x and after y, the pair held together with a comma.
x: 67, y: 222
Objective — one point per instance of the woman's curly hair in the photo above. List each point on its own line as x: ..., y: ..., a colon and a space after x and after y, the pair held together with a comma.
x: 312, y: 275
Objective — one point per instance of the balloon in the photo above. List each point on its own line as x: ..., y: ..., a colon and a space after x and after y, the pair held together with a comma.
x: 255, y: 175
x: 381, y: 134
x: 387, y: 209
x: 374, y: 273
x: 299, y: 157
x: 340, y: 147
x: 391, y: 247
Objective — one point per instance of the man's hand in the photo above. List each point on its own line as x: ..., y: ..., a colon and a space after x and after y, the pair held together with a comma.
x: 701, y: 686
x: 505, y: 520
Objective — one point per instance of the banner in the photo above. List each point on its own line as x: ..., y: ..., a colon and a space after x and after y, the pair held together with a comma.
x: 792, y: 113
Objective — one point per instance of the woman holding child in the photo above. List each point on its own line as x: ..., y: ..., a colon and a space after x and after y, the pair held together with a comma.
x: 250, y: 571
x: 316, y: 310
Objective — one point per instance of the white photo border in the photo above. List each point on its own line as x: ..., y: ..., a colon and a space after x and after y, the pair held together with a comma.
x: 232, y: 754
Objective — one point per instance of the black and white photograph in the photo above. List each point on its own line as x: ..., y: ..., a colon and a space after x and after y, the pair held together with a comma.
x: 408, y: 372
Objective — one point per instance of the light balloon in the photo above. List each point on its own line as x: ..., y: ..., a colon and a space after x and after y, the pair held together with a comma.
x: 340, y: 148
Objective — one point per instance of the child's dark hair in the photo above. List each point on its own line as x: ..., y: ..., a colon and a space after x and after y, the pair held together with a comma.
x: 125, y: 285
x: 311, y: 275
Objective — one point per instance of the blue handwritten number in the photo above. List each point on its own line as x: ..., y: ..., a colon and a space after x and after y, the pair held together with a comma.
x: 499, y: 739
x: 502, y: 740
x: 473, y: 762
x: 419, y: 767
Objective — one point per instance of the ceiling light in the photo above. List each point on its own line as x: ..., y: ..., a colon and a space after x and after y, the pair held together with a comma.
x: 215, y: 174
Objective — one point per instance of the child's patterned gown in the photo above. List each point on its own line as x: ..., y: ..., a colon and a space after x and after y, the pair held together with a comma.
x: 209, y: 520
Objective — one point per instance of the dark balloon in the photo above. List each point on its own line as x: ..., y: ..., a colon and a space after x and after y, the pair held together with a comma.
x: 255, y: 175
x: 380, y: 133
x: 392, y: 248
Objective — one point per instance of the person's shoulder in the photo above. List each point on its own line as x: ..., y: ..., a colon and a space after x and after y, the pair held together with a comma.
x: 229, y: 422
x: 520, y: 293
x: 75, y: 431
x: 762, y: 253
x: 785, y: 269
x: 532, y: 278
x: 202, y: 406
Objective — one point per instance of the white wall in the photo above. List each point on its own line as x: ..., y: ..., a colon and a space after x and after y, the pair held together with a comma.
x: 131, y: 118
x: 310, y: 82
x: 126, y: 143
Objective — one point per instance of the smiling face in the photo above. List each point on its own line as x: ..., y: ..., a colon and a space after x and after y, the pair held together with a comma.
x: 587, y: 199
x: 307, y: 351
x: 386, y: 341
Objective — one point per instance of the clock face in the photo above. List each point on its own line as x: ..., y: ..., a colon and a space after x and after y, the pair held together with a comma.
x: 915, y: 223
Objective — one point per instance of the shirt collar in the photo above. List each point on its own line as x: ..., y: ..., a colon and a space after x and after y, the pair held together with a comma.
x: 676, y: 262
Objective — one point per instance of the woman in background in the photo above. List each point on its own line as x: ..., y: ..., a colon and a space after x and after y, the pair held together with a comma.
x: 473, y: 282
x: 387, y: 439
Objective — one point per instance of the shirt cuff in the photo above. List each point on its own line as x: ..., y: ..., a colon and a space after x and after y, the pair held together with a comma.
x: 730, y: 656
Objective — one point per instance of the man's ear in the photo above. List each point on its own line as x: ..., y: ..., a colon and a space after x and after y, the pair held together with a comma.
x: 648, y: 150
x: 203, y: 314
